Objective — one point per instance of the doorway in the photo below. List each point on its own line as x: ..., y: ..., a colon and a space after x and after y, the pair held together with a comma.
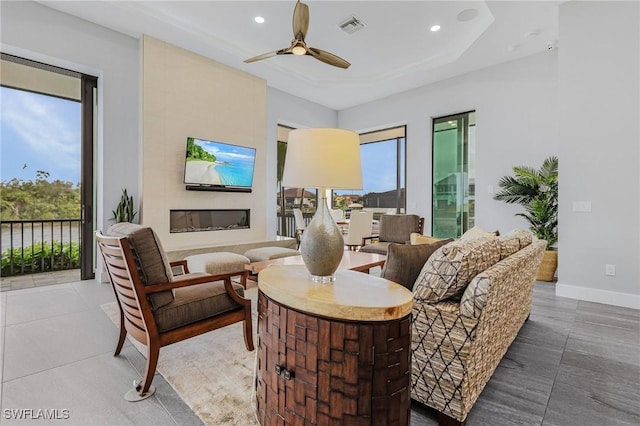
x: 454, y: 174
x: 48, y: 137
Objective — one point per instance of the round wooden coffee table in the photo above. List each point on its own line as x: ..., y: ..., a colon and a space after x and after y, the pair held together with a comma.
x: 337, y: 353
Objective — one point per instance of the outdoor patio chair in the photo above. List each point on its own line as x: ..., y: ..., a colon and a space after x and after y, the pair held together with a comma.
x: 158, y: 308
x: 360, y: 226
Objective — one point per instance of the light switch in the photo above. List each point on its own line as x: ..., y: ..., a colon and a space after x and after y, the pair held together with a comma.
x: 610, y: 270
x: 490, y: 189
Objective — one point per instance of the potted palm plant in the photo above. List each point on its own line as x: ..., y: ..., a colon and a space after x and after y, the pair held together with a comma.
x: 537, y: 192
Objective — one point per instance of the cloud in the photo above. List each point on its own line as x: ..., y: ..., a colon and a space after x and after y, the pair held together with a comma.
x: 49, y: 126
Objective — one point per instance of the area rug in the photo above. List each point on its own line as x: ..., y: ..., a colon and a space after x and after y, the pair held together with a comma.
x: 212, y: 373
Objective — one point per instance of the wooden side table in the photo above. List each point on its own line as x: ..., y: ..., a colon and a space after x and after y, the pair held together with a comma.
x: 336, y: 353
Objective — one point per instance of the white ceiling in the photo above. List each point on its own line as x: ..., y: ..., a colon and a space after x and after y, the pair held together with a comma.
x: 396, y: 51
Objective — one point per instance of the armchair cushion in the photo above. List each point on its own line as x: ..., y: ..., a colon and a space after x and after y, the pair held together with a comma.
x: 404, y: 262
x: 377, y: 248
x: 450, y: 269
x: 194, y: 303
x: 397, y: 228
x: 151, y: 260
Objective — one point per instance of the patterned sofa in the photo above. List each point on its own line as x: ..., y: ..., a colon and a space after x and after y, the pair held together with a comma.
x: 470, y: 299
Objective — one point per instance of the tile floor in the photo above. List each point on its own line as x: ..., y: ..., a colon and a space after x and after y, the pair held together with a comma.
x: 573, y: 363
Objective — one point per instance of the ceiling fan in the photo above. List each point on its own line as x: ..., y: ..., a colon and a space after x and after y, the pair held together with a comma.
x: 298, y: 45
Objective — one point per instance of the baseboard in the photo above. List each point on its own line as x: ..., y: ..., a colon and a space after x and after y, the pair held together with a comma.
x: 615, y: 298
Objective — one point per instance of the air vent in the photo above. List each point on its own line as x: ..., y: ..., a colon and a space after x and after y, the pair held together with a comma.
x: 351, y: 25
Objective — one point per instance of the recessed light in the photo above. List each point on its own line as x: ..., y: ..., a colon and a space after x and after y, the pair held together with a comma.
x: 259, y: 19
x: 435, y: 28
x: 532, y: 34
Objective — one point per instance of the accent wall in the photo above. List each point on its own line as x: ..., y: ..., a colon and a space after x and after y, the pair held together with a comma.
x: 187, y: 95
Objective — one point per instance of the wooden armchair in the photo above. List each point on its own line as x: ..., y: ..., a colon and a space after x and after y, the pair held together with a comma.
x: 158, y: 309
x: 394, y: 228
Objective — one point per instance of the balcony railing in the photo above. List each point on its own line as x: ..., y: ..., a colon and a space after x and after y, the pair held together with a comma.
x: 290, y: 230
x: 31, y: 246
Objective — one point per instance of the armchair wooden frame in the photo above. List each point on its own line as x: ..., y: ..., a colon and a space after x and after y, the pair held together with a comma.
x: 136, y: 315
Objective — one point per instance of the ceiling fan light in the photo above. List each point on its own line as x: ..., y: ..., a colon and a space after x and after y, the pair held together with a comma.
x: 299, y: 49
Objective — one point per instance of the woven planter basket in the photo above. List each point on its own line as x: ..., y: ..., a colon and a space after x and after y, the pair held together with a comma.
x: 548, y: 267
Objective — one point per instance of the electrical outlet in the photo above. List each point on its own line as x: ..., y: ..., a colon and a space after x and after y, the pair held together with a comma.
x: 610, y: 270
x: 582, y: 206
x: 490, y: 189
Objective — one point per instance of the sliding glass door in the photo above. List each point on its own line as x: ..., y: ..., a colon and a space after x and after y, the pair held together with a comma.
x: 453, y: 174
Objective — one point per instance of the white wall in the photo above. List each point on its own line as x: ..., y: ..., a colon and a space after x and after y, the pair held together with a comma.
x: 599, y: 115
x: 37, y: 32
x: 295, y: 112
x: 516, y: 115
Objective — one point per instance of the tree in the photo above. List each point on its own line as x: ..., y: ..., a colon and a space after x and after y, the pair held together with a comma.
x: 22, y: 200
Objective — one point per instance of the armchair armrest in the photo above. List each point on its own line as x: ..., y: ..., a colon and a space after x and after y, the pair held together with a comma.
x: 180, y: 264
x: 199, y: 278
x: 370, y: 239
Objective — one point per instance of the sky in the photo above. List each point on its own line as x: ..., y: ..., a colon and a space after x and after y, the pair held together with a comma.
x: 38, y: 132
x: 378, y: 167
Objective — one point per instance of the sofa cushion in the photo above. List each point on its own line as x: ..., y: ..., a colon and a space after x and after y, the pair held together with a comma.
x: 508, y: 245
x: 404, y: 262
x: 524, y: 236
x: 195, y: 303
x: 151, y: 260
x: 450, y: 269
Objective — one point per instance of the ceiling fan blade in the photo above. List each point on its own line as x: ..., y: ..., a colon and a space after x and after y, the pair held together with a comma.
x: 328, y: 58
x: 261, y: 57
x: 284, y: 51
x: 300, y: 21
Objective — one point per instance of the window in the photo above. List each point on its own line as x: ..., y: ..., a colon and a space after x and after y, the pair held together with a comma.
x: 305, y: 199
x: 383, y: 174
x: 454, y: 149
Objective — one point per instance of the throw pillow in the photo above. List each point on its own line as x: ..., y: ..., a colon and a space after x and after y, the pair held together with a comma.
x: 416, y: 238
x: 404, y: 262
x: 475, y: 296
x: 477, y: 232
x: 152, y: 262
x: 449, y: 270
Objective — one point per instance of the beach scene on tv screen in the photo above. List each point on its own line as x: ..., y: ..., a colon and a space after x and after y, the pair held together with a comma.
x: 217, y: 163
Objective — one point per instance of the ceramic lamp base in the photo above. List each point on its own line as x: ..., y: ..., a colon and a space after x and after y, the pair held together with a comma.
x: 322, y: 245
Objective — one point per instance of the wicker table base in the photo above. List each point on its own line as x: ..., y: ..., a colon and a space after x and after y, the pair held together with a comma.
x: 321, y: 371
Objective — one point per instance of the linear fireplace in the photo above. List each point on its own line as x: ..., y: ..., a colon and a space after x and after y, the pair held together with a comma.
x: 208, y: 220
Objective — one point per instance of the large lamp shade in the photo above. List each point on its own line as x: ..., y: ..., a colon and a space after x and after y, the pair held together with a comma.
x: 323, y: 158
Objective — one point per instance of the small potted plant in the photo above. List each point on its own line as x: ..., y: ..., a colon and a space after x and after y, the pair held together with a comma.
x: 537, y: 192
x: 124, y: 211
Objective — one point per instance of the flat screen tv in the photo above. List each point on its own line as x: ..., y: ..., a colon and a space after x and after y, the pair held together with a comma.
x: 218, y: 166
